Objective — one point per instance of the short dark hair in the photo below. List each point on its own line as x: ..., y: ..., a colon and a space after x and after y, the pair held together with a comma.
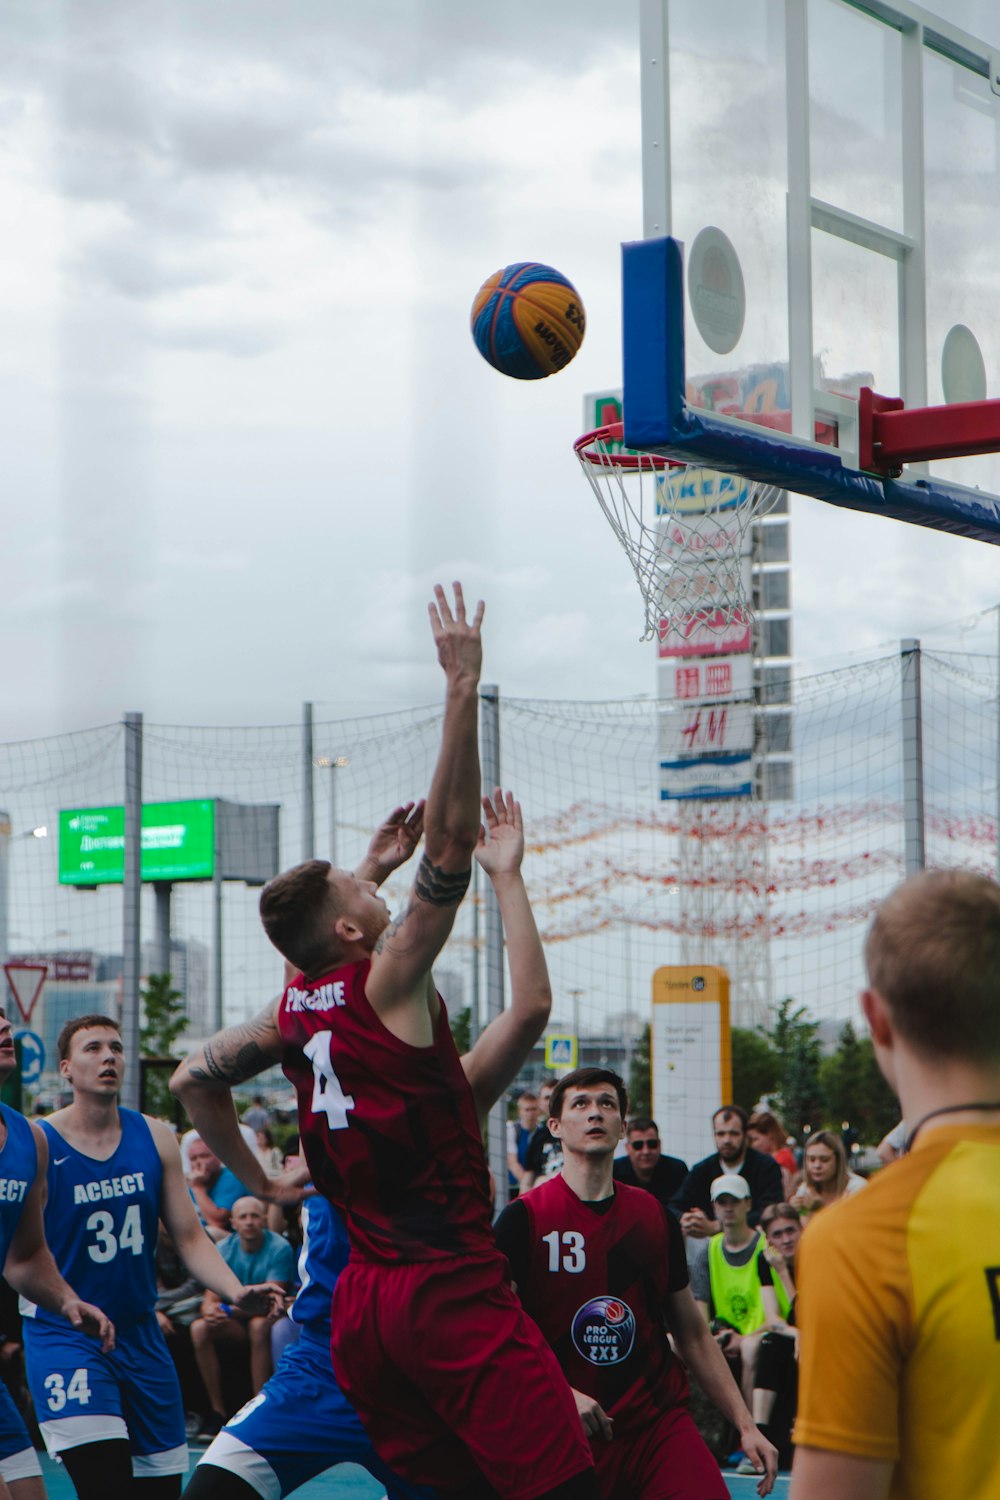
x: 82, y: 1023
x: 726, y: 1111
x: 585, y: 1078
x: 933, y: 954
x: 298, y: 909
x: 772, y: 1211
x: 643, y: 1122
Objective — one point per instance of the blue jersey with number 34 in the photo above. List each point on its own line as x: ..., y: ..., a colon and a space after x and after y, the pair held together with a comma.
x: 101, y: 1221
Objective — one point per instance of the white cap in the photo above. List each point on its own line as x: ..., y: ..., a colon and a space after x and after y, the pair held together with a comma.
x: 731, y: 1183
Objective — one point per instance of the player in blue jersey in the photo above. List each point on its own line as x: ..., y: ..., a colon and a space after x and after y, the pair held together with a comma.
x: 115, y: 1417
x: 300, y: 1424
x: 28, y: 1265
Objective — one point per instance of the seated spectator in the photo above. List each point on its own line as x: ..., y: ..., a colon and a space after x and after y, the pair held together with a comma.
x: 519, y: 1133
x: 825, y: 1175
x: 270, y: 1156
x: 543, y: 1154
x: 644, y: 1164
x: 776, y: 1384
x: 178, y: 1302
x: 766, y: 1134
x: 258, y: 1116
x: 734, y: 1284
x: 890, y: 1148
x: 213, y: 1187
x: 254, y: 1253
x: 693, y: 1203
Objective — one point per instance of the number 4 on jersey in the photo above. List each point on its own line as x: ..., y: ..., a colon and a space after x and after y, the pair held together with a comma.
x: 328, y: 1096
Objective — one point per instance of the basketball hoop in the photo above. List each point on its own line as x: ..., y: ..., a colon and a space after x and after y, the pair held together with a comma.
x: 683, y: 529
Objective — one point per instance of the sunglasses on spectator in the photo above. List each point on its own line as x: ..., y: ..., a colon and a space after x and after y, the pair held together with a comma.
x: 649, y: 1145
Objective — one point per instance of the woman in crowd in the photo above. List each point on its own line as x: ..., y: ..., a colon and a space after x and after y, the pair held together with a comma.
x: 766, y: 1133
x: 825, y: 1175
x: 776, y: 1383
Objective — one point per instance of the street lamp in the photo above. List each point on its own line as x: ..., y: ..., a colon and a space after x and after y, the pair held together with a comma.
x: 333, y: 763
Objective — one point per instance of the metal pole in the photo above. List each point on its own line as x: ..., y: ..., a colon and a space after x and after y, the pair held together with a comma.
x: 332, y: 855
x: 164, y: 890
x: 475, y: 1019
x: 489, y: 740
x: 998, y: 748
x: 5, y: 827
x: 132, y: 908
x: 217, y: 994
x: 308, y: 809
x: 913, y: 758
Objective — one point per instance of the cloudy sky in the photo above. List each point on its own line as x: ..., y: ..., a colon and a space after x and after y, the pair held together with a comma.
x: 243, y: 427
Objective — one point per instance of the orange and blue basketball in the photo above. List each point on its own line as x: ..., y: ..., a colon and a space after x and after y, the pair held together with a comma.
x: 528, y: 321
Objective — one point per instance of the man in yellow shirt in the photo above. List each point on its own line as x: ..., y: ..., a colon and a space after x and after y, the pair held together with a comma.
x: 899, y: 1287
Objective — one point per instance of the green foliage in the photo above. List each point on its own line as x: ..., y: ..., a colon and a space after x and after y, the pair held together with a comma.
x: 164, y: 1022
x: 461, y: 1030
x: 639, y: 1081
x: 854, y: 1089
x: 795, y: 1041
x: 756, y: 1067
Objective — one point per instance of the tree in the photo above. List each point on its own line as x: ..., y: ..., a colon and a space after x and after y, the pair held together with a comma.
x: 640, y: 1075
x: 461, y: 1030
x: 164, y: 1022
x: 756, y: 1067
x: 854, y: 1089
x: 795, y: 1040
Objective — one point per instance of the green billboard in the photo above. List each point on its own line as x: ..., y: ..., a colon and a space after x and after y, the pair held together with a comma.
x: 178, y: 843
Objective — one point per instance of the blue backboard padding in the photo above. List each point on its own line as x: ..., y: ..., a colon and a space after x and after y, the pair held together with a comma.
x: 657, y: 417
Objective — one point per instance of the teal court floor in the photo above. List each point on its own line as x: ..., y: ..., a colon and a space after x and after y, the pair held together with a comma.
x: 348, y: 1482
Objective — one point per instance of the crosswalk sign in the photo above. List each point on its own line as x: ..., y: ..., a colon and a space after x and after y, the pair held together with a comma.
x: 560, y: 1053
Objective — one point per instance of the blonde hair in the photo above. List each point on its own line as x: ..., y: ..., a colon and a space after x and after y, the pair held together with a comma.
x: 836, y: 1145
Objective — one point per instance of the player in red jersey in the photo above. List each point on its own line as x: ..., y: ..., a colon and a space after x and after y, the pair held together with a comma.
x: 601, y: 1268
x: 455, y: 1384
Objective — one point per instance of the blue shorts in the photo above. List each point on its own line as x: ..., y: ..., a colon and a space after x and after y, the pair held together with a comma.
x: 82, y: 1395
x: 18, y: 1459
x: 297, y: 1427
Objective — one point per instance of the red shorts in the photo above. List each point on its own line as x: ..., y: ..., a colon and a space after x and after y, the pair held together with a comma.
x: 452, y: 1379
x: 667, y: 1460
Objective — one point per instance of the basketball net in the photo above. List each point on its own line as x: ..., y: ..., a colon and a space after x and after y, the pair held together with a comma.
x: 25, y: 981
x: 683, y: 528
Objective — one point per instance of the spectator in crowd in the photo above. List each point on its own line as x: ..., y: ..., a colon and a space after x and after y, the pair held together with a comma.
x: 270, y: 1156
x: 825, y: 1174
x: 543, y: 1154
x: 519, y: 1133
x: 890, y: 1147
x: 253, y: 1252
x: 776, y: 1384
x: 178, y: 1302
x: 258, y: 1116
x: 738, y: 1295
x: 693, y: 1203
x: 766, y: 1134
x: 645, y: 1166
x: 214, y: 1188
x: 189, y: 1136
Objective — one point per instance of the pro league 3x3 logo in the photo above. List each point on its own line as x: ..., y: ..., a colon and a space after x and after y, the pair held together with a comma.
x: 603, y: 1331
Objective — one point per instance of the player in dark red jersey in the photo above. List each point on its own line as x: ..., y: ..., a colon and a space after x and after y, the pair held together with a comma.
x: 601, y: 1268
x: 454, y: 1383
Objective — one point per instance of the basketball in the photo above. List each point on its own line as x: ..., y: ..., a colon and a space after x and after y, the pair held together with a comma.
x: 528, y: 321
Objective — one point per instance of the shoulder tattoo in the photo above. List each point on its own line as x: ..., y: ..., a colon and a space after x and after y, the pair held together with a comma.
x: 440, y: 887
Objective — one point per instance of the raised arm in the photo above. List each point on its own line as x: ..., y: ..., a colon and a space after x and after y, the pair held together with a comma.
x: 204, y: 1085
x: 496, y: 1059
x: 404, y: 953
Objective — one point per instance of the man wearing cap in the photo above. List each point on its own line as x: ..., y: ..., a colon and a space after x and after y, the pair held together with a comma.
x: 734, y: 1285
x: 693, y: 1203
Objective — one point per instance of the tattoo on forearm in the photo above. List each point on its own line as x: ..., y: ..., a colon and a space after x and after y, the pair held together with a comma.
x: 395, y: 930
x: 236, y: 1054
x: 440, y: 887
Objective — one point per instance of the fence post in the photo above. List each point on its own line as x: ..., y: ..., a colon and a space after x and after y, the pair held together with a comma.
x: 489, y: 741
x: 132, y: 907
x: 913, y: 758
x: 308, y: 814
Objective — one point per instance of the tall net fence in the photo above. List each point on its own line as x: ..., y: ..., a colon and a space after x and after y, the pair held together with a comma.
x: 778, y: 892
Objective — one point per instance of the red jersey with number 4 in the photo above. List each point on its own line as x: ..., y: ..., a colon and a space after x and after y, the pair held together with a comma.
x: 389, y: 1130
x: 595, y: 1278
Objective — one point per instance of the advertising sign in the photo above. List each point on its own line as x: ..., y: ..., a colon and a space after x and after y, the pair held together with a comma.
x: 713, y: 679
x: 691, y: 1053
x: 705, y: 777
x: 705, y: 635
x: 706, y: 727
x: 178, y: 843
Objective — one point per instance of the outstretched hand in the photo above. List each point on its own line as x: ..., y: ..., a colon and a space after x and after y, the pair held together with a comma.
x: 458, y: 641
x: 265, y: 1299
x: 394, y: 840
x: 500, y: 853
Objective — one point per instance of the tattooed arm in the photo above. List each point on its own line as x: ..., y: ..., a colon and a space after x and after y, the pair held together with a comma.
x: 397, y: 986
x: 204, y: 1082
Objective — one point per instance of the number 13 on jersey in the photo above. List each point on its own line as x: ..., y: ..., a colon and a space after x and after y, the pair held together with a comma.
x: 328, y: 1095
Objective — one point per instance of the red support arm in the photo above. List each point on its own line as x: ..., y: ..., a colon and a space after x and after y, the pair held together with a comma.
x: 889, y: 436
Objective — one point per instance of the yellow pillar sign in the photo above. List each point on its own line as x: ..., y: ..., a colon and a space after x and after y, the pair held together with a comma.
x: 692, y: 1071
x: 560, y: 1053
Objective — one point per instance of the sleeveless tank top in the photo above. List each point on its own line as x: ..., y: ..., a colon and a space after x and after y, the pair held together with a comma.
x: 18, y: 1166
x: 736, y: 1289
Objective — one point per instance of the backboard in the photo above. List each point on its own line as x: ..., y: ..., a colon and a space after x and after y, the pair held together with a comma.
x: 821, y: 183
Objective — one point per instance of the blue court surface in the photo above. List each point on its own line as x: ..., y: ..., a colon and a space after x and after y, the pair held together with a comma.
x: 348, y: 1482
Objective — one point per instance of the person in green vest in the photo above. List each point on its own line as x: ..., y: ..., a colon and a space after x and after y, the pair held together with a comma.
x: 741, y: 1302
